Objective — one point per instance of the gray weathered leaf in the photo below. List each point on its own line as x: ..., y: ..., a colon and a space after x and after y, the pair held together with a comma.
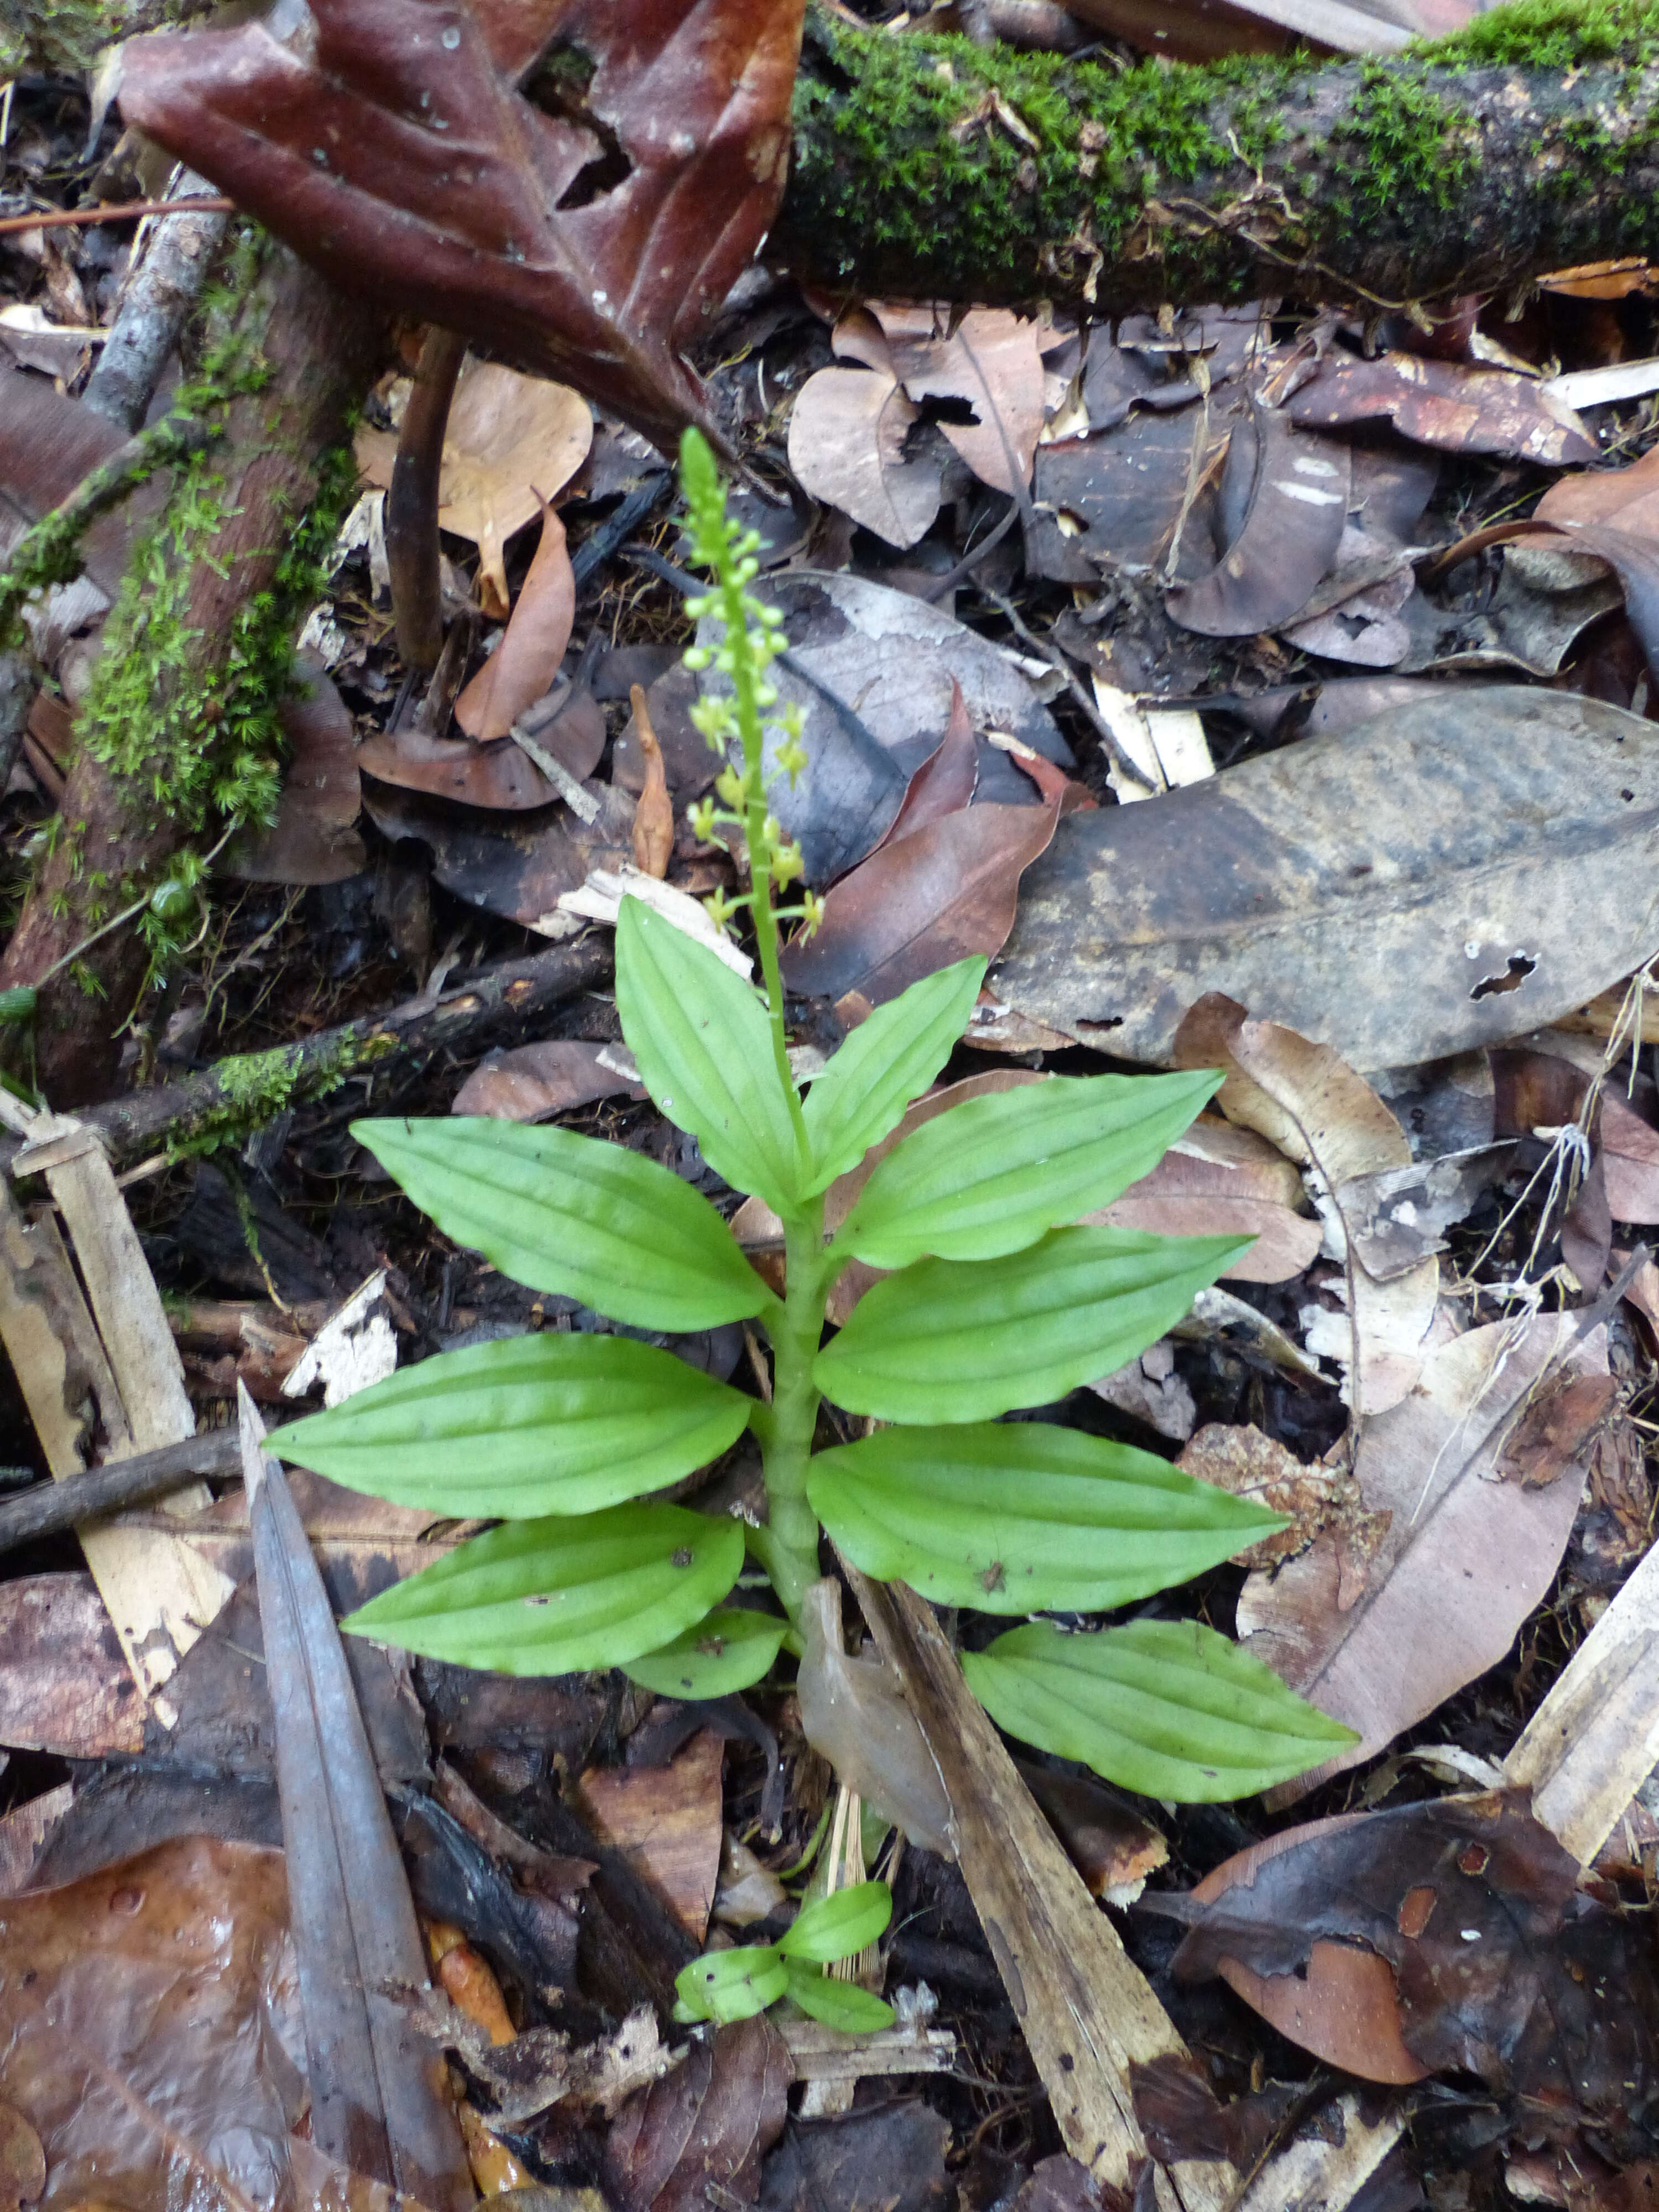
x: 1407, y: 855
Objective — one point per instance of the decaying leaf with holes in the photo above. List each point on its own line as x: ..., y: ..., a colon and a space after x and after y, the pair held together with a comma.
x: 579, y: 209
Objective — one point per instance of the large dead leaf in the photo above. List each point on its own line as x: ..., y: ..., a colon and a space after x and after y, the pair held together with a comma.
x: 589, y: 240
x: 847, y: 434
x: 1405, y: 853
x: 1380, y: 1640
x: 1448, y: 1935
x: 137, y: 2015
x: 1116, y: 497
x: 988, y: 362
x: 1306, y: 1100
x: 65, y: 1686
x: 511, y: 441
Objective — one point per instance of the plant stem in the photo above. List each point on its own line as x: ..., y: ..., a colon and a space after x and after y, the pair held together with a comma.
x: 788, y: 1548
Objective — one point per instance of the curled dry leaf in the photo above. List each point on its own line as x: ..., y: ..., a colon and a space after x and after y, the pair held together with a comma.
x: 1218, y: 1181
x: 1379, y: 1641
x: 1312, y: 1105
x: 989, y: 363
x: 1294, y: 494
x: 1446, y: 404
x: 510, y: 441
x: 653, y: 817
x: 1280, y: 881
x: 543, y: 257
x: 522, y: 668
x: 533, y: 1082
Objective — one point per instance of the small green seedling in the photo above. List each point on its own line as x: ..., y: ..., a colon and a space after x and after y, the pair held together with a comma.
x: 994, y: 1303
x: 726, y: 1985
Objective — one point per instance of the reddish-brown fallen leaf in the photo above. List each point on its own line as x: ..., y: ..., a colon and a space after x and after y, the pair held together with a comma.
x: 950, y: 890
x: 1106, y: 1839
x: 533, y: 1082
x: 1297, y: 507
x: 315, y: 838
x: 499, y: 776
x: 444, y: 191
x: 1447, y: 403
x: 653, y: 817
x: 1538, y: 1089
x: 1442, y: 1936
x: 135, y: 2021
x: 666, y: 1820
x: 945, y: 782
x: 706, y: 2128
x: 522, y: 668
x: 1627, y: 497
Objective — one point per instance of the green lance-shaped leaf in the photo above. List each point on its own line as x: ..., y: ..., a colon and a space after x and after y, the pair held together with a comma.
x: 730, y: 1649
x: 840, y: 1925
x: 889, y: 1060
x: 993, y: 1174
x: 1021, y: 1518
x: 557, y: 1597
x: 957, y: 1340
x: 541, y: 1424
x: 703, y: 1047
x: 1165, y: 1707
x: 841, y: 2005
x: 563, y: 1212
x: 728, y: 1985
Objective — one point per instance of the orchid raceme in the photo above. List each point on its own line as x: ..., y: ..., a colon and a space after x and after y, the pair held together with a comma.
x: 995, y: 1302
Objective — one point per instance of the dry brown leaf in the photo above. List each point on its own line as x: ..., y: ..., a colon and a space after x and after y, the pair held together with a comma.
x: 1220, y: 1181
x: 1250, y: 1464
x: 523, y: 666
x: 1380, y: 1643
x: 511, y: 441
x: 989, y: 361
x: 65, y: 1686
x: 698, y: 2138
x: 1628, y: 497
x: 847, y: 434
x: 533, y: 1082
x: 653, y: 817
x: 1440, y: 1936
x: 948, y: 891
x: 666, y: 1820
x: 1320, y: 1113
x: 499, y: 776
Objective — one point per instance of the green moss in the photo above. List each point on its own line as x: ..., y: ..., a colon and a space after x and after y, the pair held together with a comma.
x: 1551, y: 35
x: 1412, y: 150
x: 254, y: 1087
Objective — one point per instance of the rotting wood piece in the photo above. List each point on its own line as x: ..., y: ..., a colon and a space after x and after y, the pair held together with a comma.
x: 238, y: 1095
x: 305, y: 354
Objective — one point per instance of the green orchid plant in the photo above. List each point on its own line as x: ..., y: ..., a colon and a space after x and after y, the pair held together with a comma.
x: 993, y: 1301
